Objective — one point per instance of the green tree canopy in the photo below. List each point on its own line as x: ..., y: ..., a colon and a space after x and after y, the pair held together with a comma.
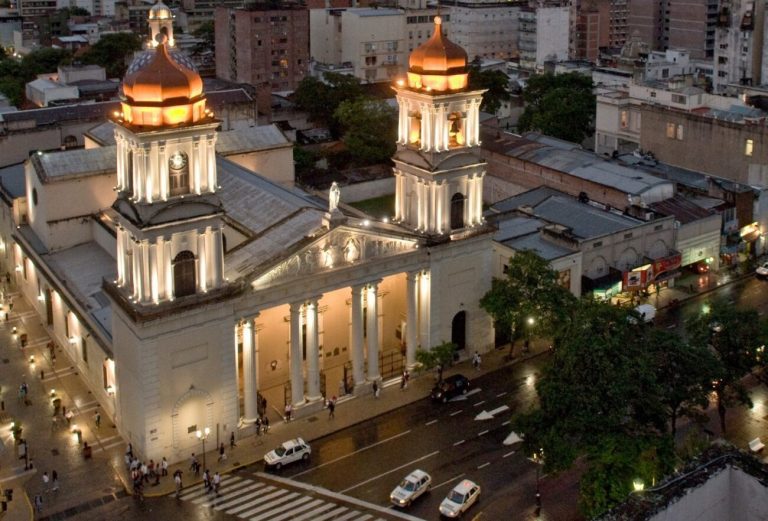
x: 495, y: 82
x: 440, y: 356
x: 529, y: 299
x: 734, y: 336
x: 41, y: 61
x: 369, y: 129
x: 206, y: 32
x: 321, y: 99
x: 112, y: 52
x: 684, y: 373
x: 561, y: 106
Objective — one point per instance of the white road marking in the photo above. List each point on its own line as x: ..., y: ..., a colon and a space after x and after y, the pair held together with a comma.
x: 431, y: 423
x: 508, y: 454
x: 501, y: 394
x: 353, y: 453
x: 374, y: 478
x: 483, y: 432
x: 454, y: 413
x: 506, y: 423
x: 458, y: 443
x: 483, y: 465
x: 473, y: 391
x: 481, y: 402
x: 454, y: 478
x: 673, y: 326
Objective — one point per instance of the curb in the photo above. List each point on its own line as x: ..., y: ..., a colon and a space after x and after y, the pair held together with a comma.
x: 710, y: 290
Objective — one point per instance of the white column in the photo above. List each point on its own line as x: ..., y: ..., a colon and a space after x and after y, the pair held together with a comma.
x: 146, y: 283
x: 471, y: 200
x: 373, y: 332
x: 402, y: 130
x: 297, y: 379
x: 218, y: 258
x: 202, y: 269
x: 160, y: 268
x: 357, y: 354
x: 120, y: 147
x: 168, y: 269
x: 411, y: 326
x: 398, y: 194
x: 120, y: 255
x: 431, y: 187
x: 154, y: 283
x: 196, y: 166
x: 250, y: 411
x: 163, y: 174
x: 424, y: 306
x: 479, y: 198
x: 313, y: 356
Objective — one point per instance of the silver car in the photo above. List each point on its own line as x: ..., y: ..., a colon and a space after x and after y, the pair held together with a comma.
x: 410, y: 488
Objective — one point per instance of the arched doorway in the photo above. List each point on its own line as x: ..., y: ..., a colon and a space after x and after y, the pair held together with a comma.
x: 459, y: 330
x: 184, y: 279
x: 457, y: 211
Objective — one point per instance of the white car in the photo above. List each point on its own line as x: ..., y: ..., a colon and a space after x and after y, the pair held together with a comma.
x: 289, y: 452
x: 762, y: 270
x: 458, y: 500
x: 410, y: 488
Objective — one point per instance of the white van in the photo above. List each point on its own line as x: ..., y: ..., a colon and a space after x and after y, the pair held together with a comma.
x: 647, y: 312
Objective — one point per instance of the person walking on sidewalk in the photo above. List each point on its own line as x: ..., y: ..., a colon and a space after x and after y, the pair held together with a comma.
x: 222, y: 454
x: 216, y: 482
x: 476, y: 361
x: 164, y: 466
x: 46, y: 480
x: 207, y: 481
x: 55, y: 480
x: 39, y: 503
x: 177, y: 482
x: 266, y: 424
x: 257, y: 423
x: 97, y: 419
x: 375, y: 389
x: 288, y: 412
x: 331, y: 407
x: 232, y: 443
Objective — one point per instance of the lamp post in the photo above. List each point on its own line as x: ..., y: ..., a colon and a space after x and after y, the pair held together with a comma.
x: 202, y: 436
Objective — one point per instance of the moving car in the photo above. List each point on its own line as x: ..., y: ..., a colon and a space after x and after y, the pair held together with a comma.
x: 289, y: 452
x: 458, y: 500
x: 762, y: 270
x: 410, y: 488
x: 450, y: 388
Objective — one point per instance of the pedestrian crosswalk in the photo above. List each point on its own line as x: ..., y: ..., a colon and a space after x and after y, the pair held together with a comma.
x: 257, y: 499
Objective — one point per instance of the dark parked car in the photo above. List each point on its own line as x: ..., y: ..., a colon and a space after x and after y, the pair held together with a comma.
x: 450, y: 388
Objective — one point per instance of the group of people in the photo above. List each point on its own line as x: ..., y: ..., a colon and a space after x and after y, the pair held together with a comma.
x: 50, y: 484
x: 211, y: 484
x: 142, y: 472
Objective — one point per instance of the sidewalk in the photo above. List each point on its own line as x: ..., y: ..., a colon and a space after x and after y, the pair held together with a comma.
x: 691, y: 285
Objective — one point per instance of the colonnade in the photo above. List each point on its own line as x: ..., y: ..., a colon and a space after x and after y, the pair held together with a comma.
x: 364, y: 341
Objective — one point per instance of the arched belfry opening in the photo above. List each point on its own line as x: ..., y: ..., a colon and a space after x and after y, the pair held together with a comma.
x: 457, y: 211
x: 184, y: 279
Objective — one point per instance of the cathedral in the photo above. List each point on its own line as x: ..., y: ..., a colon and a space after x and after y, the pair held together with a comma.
x: 195, y: 293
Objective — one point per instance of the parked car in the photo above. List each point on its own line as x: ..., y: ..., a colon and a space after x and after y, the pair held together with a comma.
x: 410, y: 488
x: 450, y: 388
x: 762, y: 271
x: 460, y: 498
x: 289, y: 452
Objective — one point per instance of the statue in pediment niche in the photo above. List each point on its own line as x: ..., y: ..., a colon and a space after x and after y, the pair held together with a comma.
x: 351, y: 251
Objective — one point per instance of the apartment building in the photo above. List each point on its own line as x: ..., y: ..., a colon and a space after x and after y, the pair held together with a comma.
x: 259, y: 44
x: 664, y: 24
x: 487, y: 28
x: 740, y: 52
x: 597, y: 24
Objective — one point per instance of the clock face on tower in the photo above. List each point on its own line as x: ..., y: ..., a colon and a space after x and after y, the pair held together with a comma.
x: 178, y: 161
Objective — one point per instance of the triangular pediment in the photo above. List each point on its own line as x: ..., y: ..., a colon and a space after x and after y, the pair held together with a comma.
x: 340, y: 248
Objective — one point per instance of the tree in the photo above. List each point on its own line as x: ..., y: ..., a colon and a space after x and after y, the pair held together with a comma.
x: 321, y: 98
x: 600, y: 383
x: 734, y: 337
x: 369, y: 129
x: 112, y: 52
x: 438, y: 357
x: 495, y: 83
x: 562, y: 106
x: 12, y: 89
x: 41, y: 61
x: 684, y: 373
x: 529, y: 299
x: 206, y: 32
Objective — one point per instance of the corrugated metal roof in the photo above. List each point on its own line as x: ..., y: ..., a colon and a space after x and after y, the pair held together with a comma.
x: 682, y: 209
x: 535, y: 242
x: 250, y: 139
x: 77, y: 163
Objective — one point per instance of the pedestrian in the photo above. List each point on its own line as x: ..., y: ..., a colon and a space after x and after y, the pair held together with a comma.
x: 128, y: 461
x: 375, y: 389
x: 151, y: 468
x: 222, y: 454
x: 288, y: 412
x: 46, y: 480
x: 144, y: 472
x: 55, y: 480
x: 216, y: 483
x: 129, y: 450
x: 331, y: 407
x: 69, y: 415
x: 402, y: 382
x: 38, y: 503
x: 476, y: 361
x: 177, y: 481
x: 164, y: 466
x: 207, y: 481
x: 407, y: 378
x: 97, y: 419
x: 257, y: 423
x: 232, y: 443
x: 264, y: 405
x: 266, y: 424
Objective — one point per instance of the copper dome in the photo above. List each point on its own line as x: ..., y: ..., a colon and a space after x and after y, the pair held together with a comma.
x: 438, y: 55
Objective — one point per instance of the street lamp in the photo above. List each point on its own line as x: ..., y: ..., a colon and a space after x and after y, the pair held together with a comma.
x: 538, y: 459
x: 202, y: 436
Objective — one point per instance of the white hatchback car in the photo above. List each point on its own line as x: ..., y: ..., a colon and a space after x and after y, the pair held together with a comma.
x: 290, y: 451
x: 458, y: 500
x: 412, y: 486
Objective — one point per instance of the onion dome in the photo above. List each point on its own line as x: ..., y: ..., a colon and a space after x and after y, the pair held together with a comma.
x: 438, y: 64
x: 163, y: 92
x: 160, y: 11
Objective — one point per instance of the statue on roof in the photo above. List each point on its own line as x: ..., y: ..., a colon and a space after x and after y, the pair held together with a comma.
x: 334, y: 195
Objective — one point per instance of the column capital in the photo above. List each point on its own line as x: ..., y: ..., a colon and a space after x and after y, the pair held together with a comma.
x: 295, y: 307
x: 413, y: 274
x: 373, y: 283
x: 358, y: 288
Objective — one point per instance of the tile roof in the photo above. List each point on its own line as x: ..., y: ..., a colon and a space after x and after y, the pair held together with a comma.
x: 74, y: 163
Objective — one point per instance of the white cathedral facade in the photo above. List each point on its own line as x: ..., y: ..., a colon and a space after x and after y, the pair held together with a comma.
x: 191, y: 290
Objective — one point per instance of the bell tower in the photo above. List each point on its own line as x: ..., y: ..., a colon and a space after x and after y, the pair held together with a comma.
x: 169, y: 233
x: 439, y: 178
x: 161, y: 21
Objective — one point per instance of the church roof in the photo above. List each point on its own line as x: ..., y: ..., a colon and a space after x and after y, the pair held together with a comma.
x: 81, y: 162
x: 250, y: 139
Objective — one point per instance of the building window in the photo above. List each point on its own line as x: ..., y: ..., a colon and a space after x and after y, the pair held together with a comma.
x: 658, y: 227
x: 597, y: 244
x: 184, y: 279
x: 457, y: 211
x: 178, y: 173
x: 671, y: 130
x: 679, y: 133
x: 624, y: 119
x: 34, y: 190
x: 749, y: 147
x: 678, y: 98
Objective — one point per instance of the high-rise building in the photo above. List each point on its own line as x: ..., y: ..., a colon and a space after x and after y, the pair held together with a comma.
x: 487, y: 28
x: 597, y: 24
x: 687, y: 25
x: 740, y: 54
x: 260, y: 44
